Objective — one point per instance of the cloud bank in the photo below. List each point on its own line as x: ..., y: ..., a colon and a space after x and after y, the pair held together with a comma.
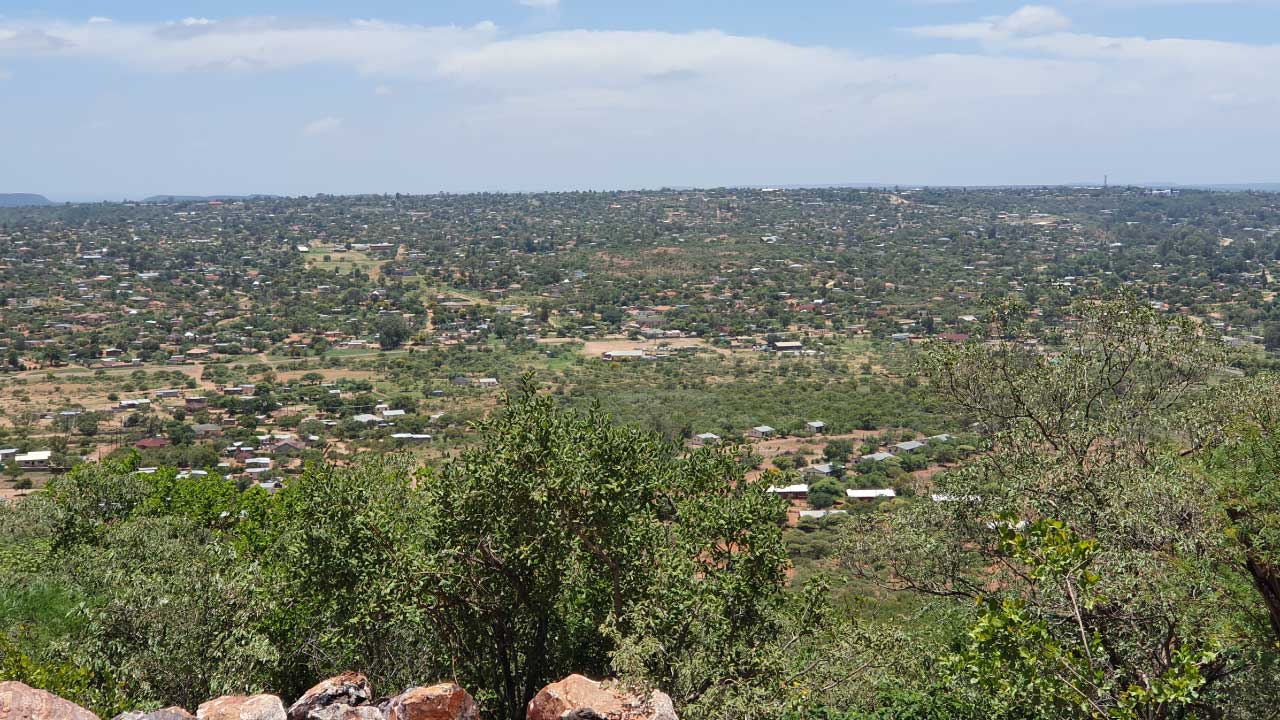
x: 994, y: 87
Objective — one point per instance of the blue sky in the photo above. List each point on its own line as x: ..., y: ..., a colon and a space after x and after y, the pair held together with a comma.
x: 124, y: 99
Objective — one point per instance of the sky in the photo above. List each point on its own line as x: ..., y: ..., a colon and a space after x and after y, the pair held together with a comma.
x: 115, y: 100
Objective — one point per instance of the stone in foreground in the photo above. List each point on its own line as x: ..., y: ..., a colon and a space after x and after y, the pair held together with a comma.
x: 169, y: 713
x: 347, y: 712
x: 350, y: 690
x: 582, y: 698
x: 240, y: 707
x: 445, y: 701
x: 22, y: 702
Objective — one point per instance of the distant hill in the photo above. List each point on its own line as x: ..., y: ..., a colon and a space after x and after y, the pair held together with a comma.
x: 204, y: 198
x: 22, y: 199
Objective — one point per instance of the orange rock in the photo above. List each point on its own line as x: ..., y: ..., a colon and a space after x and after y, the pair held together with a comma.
x: 22, y: 702
x: 586, y: 697
x: 240, y: 707
x: 445, y: 701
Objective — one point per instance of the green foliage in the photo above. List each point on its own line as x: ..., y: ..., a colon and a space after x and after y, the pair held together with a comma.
x: 807, y: 659
x: 1108, y: 554
x: 837, y: 450
x: 1048, y: 665
x: 1271, y: 336
x: 824, y: 493
x: 63, y: 678
x: 558, y: 539
x: 392, y: 331
x: 178, y: 614
x: 1140, y: 603
x: 565, y: 522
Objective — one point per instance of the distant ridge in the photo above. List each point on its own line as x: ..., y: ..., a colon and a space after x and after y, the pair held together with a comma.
x: 204, y: 198
x: 22, y: 199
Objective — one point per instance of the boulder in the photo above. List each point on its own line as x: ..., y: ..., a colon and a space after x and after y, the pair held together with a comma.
x: 581, y: 698
x: 349, y: 689
x: 445, y: 701
x: 169, y: 713
x: 347, y: 712
x: 22, y: 702
x: 240, y: 707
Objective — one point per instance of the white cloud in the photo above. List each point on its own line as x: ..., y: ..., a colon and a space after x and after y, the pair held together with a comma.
x: 322, y: 126
x: 382, y: 90
x: 1032, y: 20
x: 541, y: 4
x: 369, y: 46
x: 97, y: 19
x: 706, y: 63
x: 1019, y: 83
x: 1026, y: 20
x: 5, y: 74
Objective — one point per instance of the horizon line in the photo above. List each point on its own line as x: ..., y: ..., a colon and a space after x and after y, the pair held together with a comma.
x: 1260, y: 186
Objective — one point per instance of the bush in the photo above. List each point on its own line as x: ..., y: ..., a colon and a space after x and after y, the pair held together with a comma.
x: 824, y: 493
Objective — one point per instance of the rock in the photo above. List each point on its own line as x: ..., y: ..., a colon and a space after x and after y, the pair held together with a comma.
x: 348, y: 689
x: 240, y: 707
x: 169, y: 713
x: 580, y: 698
x: 347, y: 712
x: 445, y: 701
x: 21, y: 702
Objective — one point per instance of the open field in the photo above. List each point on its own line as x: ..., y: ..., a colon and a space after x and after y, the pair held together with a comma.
x: 596, y: 348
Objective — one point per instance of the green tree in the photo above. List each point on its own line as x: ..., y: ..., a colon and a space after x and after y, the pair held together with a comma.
x: 824, y: 493
x: 1271, y: 336
x: 837, y: 450
x: 509, y: 560
x: 87, y: 424
x: 1049, y: 656
x: 1098, y: 435
x: 1243, y: 473
x: 180, y: 433
x: 392, y: 331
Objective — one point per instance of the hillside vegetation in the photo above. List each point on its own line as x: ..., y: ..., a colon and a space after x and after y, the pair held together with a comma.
x: 1111, y: 553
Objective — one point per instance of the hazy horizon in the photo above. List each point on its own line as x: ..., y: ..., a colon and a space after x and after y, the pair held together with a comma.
x: 1237, y: 186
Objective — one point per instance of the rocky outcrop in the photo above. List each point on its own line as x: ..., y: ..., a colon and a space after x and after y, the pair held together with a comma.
x: 343, y: 697
x: 445, y: 701
x: 581, y: 698
x: 349, y: 696
x: 240, y: 707
x: 22, y: 702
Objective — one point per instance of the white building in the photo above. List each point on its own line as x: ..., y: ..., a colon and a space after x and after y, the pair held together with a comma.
x: 34, y: 460
x: 869, y: 493
x: 799, y: 491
